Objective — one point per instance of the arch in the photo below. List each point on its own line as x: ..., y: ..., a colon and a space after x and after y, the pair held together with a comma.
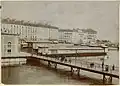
x: 9, y: 44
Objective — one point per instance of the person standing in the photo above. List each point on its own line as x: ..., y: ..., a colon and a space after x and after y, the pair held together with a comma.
x: 107, y: 68
x: 102, y: 66
x: 113, y: 67
x: 69, y: 60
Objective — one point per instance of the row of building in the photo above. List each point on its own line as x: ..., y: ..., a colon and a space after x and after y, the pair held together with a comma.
x: 77, y: 36
x: 38, y: 31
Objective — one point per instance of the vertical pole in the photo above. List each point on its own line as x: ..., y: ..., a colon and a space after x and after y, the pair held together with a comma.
x: 78, y: 72
x: 104, y: 79
x: 103, y: 61
x: 110, y: 80
x: 49, y: 34
x: 55, y: 65
x: 48, y: 63
x: 76, y: 57
x: 71, y: 70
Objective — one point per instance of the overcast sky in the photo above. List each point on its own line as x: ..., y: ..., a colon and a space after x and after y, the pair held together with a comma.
x: 100, y: 16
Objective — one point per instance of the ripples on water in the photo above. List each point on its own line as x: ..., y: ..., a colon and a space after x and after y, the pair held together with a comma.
x: 27, y: 74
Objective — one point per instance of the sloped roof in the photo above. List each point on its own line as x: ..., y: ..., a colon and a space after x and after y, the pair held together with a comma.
x: 66, y: 30
x: 9, y: 34
x: 21, y: 22
x: 89, y: 31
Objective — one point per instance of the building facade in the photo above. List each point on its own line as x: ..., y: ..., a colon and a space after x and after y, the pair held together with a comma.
x: 10, y: 45
x: 78, y: 36
x: 90, y: 36
x: 53, y: 34
x: 29, y: 30
x: 75, y: 37
x: 65, y: 35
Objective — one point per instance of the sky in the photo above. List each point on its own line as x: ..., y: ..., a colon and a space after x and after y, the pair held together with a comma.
x: 100, y: 16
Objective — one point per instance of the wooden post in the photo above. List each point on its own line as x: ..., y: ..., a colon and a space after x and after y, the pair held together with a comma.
x: 110, y: 80
x: 48, y: 63
x: 55, y: 65
x: 104, y: 79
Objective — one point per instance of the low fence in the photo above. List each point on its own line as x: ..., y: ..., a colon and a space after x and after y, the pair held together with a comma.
x: 88, y: 64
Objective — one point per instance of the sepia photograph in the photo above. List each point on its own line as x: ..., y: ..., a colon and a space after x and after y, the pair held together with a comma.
x: 59, y: 42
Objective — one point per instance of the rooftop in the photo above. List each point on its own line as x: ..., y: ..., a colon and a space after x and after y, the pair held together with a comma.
x: 89, y: 31
x: 26, y: 23
x: 9, y: 34
x: 41, y: 41
x: 66, y: 30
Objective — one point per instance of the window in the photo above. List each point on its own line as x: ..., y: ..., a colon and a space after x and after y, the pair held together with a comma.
x: 9, y: 51
x: 9, y: 44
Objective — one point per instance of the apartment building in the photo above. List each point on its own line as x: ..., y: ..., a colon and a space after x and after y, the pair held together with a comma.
x: 65, y: 35
x: 75, y: 37
x: 29, y: 31
x: 53, y: 34
x: 90, y: 36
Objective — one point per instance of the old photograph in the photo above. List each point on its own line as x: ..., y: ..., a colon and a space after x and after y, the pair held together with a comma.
x: 59, y: 42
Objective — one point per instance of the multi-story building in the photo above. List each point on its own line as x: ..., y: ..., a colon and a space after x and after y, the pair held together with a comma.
x: 26, y: 32
x: 75, y: 37
x: 84, y: 36
x: 65, y: 35
x: 89, y: 36
x: 53, y: 34
x: 29, y: 31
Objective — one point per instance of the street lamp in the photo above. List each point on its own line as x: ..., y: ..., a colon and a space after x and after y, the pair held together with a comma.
x: 104, y: 47
x: 76, y: 57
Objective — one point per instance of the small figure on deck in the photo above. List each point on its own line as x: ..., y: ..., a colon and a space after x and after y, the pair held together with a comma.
x: 106, y: 68
x: 91, y: 64
x: 62, y: 59
x: 69, y: 60
x: 65, y: 60
x: 102, y: 65
x: 113, y: 67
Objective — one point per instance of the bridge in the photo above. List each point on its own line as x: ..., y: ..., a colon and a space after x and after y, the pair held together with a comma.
x: 74, y: 64
x: 81, y: 65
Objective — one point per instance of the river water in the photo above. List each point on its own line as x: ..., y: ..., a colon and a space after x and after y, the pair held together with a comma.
x: 29, y: 74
